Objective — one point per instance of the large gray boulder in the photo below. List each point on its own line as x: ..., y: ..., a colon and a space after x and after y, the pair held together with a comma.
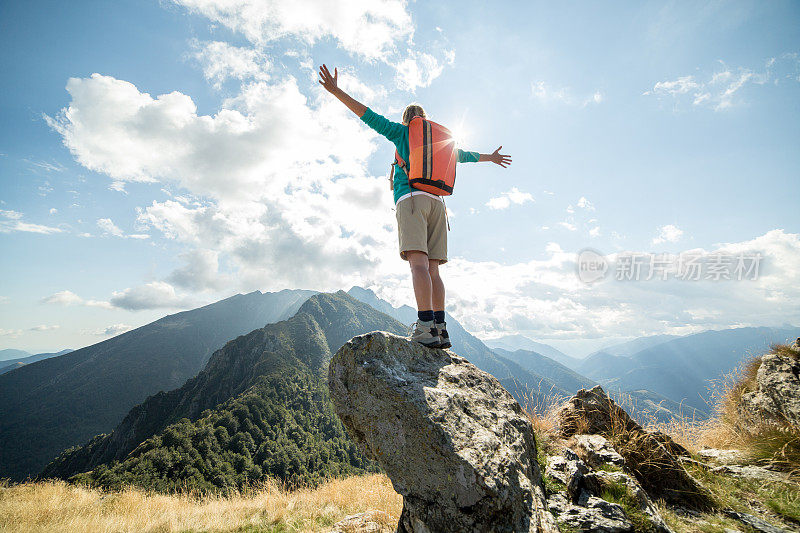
x: 456, y: 445
x: 776, y: 399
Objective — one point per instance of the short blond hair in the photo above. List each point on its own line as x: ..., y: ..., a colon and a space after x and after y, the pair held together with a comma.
x: 413, y: 110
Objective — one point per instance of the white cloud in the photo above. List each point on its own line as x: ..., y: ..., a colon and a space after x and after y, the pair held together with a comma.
x: 200, y: 272
x: 583, y: 203
x: 682, y: 85
x: 114, y: 329
x: 369, y: 28
x: 153, y: 295
x: 570, y: 226
x: 118, y: 186
x: 668, y: 233
x: 221, y: 61
x: 107, y: 226
x: 544, y: 299
x: 418, y: 69
x: 513, y: 196
x: 44, y: 327
x: 719, y: 90
x: 47, y: 167
x: 372, y: 29
x: 545, y: 93
x: 12, y: 221
x: 13, y: 333
x: 70, y: 298
x: 286, y: 201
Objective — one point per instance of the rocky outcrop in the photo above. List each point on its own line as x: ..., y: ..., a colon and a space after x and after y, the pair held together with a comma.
x: 590, y: 469
x: 776, y: 398
x: 456, y: 445
x: 594, y: 412
x: 650, y: 457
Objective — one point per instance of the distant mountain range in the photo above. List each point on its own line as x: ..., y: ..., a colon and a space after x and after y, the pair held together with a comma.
x: 11, y: 353
x: 683, y: 368
x: 628, y: 348
x: 62, y: 401
x: 642, y: 404
x: 512, y: 343
x: 11, y: 364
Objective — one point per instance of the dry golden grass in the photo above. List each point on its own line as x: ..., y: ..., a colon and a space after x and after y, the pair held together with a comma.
x: 54, y: 506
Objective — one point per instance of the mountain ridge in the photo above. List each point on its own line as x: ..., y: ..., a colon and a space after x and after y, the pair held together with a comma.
x: 245, y: 371
x: 63, y: 401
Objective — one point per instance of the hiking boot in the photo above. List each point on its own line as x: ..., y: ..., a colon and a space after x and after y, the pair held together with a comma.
x: 425, y: 334
x: 445, y: 338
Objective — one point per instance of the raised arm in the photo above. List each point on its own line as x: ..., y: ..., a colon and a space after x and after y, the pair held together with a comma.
x: 497, y: 158
x: 331, y: 85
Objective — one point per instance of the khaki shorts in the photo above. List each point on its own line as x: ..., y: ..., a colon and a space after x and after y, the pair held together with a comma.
x: 425, y: 229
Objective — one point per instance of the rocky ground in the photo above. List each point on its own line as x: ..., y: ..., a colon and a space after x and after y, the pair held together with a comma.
x: 464, y: 456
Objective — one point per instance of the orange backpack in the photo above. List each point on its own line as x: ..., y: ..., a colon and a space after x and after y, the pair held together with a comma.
x: 432, y: 151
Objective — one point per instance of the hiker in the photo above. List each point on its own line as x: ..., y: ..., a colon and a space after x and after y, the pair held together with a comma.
x: 421, y: 216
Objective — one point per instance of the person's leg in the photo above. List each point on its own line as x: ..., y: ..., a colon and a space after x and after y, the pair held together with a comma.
x: 437, y: 285
x: 421, y: 279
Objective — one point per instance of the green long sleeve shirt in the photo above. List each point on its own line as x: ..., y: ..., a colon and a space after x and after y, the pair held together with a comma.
x: 398, y: 134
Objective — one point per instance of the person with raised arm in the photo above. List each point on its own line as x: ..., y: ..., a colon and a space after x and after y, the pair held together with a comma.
x: 419, y: 172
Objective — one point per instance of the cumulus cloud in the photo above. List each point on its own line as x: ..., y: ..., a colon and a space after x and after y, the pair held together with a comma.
x: 512, y: 196
x: 372, y: 29
x: 288, y: 202
x: 720, y: 89
x: 153, y: 295
x: 12, y: 333
x: 70, y: 298
x: 221, y: 61
x: 200, y: 272
x: 369, y: 28
x: 11, y: 221
x: 668, y: 233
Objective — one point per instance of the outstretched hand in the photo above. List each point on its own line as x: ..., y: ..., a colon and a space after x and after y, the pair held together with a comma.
x: 330, y: 83
x: 500, y: 159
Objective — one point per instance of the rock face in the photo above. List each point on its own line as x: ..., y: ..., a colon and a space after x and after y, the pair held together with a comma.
x: 776, y: 399
x: 651, y: 457
x: 456, y: 445
x: 589, y: 469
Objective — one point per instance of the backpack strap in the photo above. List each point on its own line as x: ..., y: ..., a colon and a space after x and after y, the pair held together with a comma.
x: 399, y: 161
x: 402, y: 164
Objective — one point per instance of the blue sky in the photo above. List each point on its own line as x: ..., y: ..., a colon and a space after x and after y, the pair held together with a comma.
x: 203, y: 159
